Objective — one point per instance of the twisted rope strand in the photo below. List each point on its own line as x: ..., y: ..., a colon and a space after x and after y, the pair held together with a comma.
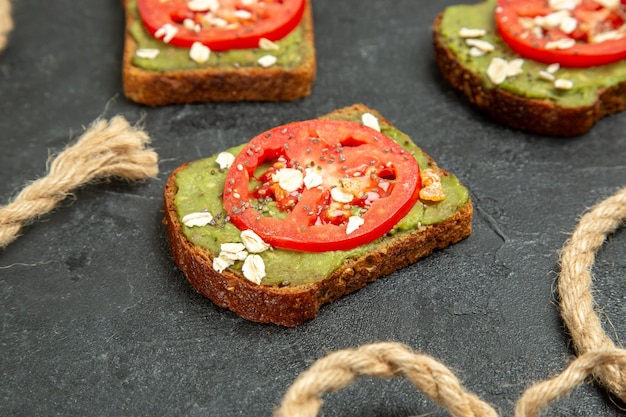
x: 383, y: 360
x: 574, y: 286
x: 107, y: 149
x: 6, y: 23
x: 542, y: 393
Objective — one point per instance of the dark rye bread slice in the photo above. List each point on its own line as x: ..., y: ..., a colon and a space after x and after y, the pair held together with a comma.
x: 153, y: 88
x: 539, y: 116
x: 292, y: 305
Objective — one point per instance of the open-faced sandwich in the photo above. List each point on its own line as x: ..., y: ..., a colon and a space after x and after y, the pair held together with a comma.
x: 309, y: 211
x: 186, y: 51
x: 552, y: 67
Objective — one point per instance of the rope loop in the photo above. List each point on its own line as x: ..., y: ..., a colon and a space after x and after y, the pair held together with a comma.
x: 574, y: 286
x: 597, y: 355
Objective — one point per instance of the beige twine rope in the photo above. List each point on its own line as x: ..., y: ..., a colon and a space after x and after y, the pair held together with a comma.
x: 106, y: 149
x: 383, y: 360
x: 6, y: 22
x: 602, y: 360
x: 577, y: 305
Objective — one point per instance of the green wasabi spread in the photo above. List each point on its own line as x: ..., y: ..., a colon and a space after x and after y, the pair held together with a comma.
x: 587, y: 81
x: 200, y: 188
x: 292, y: 52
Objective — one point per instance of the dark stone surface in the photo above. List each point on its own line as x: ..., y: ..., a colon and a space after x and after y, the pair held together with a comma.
x: 95, y: 319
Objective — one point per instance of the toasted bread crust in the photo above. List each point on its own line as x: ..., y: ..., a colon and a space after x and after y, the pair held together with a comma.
x: 543, y: 117
x: 154, y: 88
x: 292, y: 305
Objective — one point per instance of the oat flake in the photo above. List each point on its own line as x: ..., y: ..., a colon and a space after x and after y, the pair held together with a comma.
x: 472, y: 33
x: 480, y: 44
x: 147, y: 53
x: 199, y: 52
x: 289, y: 179
x: 267, y: 61
x: 197, y: 219
x: 563, y: 84
x: 354, y: 222
x: 268, y: 45
x: 225, y: 160
x: 253, y: 242
x: 253, y: 268
x: 497, y: 70
x: 370, y: 121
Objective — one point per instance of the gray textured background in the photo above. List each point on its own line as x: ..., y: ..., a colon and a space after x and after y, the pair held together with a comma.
x: 95, y: 319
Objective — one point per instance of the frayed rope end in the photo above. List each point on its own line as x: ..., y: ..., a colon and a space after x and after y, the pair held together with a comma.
x: 106, y: 149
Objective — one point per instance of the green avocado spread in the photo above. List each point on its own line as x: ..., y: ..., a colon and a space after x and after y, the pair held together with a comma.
x: 586, y: 81
x: 200, y: 187
x: 293, y: 50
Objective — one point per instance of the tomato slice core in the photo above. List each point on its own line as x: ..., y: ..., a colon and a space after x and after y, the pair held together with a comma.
x: 320, y: 176
x: 518, y: 22
x: 221, y: 24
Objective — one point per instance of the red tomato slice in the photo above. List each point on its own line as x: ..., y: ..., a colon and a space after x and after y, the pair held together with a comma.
x: 592, y: 20
x: 349, y: 161
x: 221, y: 24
